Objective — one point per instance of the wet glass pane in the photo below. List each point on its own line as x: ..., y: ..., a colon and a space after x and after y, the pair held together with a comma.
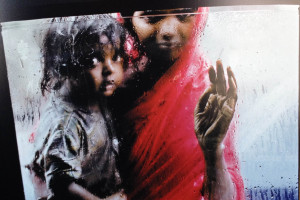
x: 142, y: 105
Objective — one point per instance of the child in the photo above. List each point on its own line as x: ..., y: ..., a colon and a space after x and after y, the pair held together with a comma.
x: 77, y: 147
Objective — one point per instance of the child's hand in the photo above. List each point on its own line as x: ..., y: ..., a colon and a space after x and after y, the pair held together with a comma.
x: 81, y: 193
x: 215, y: 109
x: 117, y: 196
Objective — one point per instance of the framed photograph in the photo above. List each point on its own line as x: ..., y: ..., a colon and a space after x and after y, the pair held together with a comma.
x: 198, y: 102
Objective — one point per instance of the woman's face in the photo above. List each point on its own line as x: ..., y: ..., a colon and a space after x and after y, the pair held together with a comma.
x: 164, y: 33
x: 107, y: 73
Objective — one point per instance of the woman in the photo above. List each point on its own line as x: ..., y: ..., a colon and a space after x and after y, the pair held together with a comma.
x: 165, y: 160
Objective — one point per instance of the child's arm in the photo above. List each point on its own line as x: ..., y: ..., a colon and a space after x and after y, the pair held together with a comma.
x: 80, y: 192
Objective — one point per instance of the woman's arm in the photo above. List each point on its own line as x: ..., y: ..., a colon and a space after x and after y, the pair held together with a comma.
x: 213, y: 115
x: 218, y: 184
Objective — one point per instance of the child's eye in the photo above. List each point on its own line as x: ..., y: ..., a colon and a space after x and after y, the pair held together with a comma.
x: 95, y: 61
x: 117, y: 58
x: 92, y: 63
x: 97, y: 55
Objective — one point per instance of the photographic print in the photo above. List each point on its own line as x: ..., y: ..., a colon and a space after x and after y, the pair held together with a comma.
x: 187, y: 103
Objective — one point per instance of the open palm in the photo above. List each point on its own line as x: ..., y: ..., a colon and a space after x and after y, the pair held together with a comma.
x: 215, y: 108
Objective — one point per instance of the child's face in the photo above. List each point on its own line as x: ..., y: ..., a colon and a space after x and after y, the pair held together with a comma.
x: 108, y: 73
x: 166, y: 34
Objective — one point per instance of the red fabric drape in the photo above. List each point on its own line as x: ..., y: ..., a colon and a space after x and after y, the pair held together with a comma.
x: 168, y: 162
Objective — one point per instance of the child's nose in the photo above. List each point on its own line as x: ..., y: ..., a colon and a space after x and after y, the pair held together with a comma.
x: 107, y: 67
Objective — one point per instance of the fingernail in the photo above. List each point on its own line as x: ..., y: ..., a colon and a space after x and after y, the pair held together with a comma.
x: 229, y: 71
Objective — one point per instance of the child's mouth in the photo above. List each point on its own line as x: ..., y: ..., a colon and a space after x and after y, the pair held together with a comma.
x: 108, y: 85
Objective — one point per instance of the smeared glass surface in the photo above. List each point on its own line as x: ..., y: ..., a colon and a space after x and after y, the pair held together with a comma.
x: 261, y: 46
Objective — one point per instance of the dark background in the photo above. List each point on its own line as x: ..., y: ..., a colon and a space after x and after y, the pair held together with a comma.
x: 13, y: 10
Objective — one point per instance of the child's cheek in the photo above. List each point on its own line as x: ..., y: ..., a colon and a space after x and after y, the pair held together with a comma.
x: 120, y: 77
x: 96, y: 74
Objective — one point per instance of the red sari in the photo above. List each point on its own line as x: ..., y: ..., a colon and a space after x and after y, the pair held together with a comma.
x: 168, y: 162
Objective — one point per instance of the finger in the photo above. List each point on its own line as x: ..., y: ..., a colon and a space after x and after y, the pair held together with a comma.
x: 230, y: 73
x: 212, y: 74
x: 229, y: 108
x: 203, y: 100
x: 203, y: 118
x: 232, y: 91
x: 211, y: 102
x: 204, y: 97
x: 221, y: 99
x: 214, y: 107
x: 221, y: 82
x: 208, y: 114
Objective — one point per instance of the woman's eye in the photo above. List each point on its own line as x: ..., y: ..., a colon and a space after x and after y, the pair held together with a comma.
x: 153, y: 19
x: 184, y: 17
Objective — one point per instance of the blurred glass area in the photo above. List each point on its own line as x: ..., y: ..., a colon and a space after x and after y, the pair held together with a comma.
x: 260, y: 43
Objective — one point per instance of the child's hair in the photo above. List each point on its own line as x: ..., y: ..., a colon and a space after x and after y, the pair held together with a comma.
x: 70, y: 47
